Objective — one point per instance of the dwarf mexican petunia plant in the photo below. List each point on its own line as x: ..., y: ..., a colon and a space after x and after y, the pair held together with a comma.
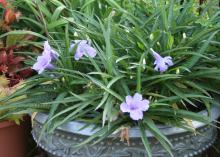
x: 117, y: 64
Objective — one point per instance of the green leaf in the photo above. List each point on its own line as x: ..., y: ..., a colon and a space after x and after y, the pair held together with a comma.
x: 140, y: 67
x: 22, y: 32
x: 102, y: 86
x: 57, y: 23
x: 144, y: 139
x: 192, y: 61
x: 57, y: 13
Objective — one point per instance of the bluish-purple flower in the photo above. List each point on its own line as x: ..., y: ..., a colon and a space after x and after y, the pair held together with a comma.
x: 49, y: 51
x: 135, y: 105
x: 44, y: 61
x: 83, y: 49
x: 161, y: 63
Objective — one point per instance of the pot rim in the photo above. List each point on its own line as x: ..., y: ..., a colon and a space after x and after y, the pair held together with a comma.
x: 75, y: 127
x: 6, y: 124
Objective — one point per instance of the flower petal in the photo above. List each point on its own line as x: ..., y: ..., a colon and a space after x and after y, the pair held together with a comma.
x: 168, y: 60
x: 124, y: 107
x: 54, y: 55
x: 79, y: 53
x: 83, y: 42
x: 129, y: 99
x: 48, y: 51
x: 136, y: 115
x: 143, y: 105
x: 37, y: 66
x: 90, y: 51
x: 50, y: 67
x: 40, y: 71
x: 156, y: 55
x: 163, y: 68
x: 46, y: 45
x: 43, y: 62
x: 137, y: 97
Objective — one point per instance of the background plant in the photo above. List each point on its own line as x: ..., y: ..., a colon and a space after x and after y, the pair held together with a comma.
x: 122, y: 32
x: 13, y: 69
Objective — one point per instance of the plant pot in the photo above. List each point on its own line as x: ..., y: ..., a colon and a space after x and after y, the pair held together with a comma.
x: 12, y: 140
x: 185, y: 144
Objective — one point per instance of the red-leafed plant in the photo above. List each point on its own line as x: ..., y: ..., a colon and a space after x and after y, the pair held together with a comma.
x: 13, y: 70
x: 11, y: 64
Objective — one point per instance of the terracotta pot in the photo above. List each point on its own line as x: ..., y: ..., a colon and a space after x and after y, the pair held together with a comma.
x: 12, y: 140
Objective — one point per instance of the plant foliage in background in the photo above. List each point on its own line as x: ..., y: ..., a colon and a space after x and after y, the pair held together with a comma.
x: 13, y: 70
x: 116, y: 64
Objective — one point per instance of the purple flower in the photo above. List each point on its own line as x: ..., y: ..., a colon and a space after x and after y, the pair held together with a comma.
x: 161, y: 63
x: 43, y: 62
x: 83, y: 48
x: 135, y: 105
x: 49, y: 51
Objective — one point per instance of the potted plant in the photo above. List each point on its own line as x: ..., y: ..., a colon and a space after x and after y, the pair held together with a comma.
x: 138, y: 71
x: 13, y: 126
x: 12, y: 134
